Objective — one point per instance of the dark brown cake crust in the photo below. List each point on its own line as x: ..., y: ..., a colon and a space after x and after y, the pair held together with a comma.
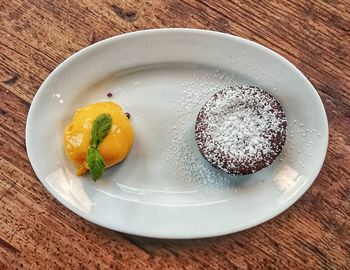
x: 241, y: 129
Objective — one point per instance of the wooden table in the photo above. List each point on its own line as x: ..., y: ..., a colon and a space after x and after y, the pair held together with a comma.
x: 37, y: 232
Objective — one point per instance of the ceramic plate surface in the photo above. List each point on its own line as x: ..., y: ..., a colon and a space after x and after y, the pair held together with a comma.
x: 165, y: 188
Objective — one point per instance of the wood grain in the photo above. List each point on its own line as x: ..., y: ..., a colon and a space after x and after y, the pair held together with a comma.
x: 37, y: 232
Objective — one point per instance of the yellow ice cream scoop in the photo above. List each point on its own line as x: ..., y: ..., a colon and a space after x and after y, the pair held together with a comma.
x: 113, y: 148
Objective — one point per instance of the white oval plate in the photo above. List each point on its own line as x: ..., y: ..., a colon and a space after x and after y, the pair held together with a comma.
x: 165, y: 188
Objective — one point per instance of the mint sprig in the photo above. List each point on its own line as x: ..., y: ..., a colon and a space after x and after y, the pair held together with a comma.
x: 96, y: 163
x: 100, y: 129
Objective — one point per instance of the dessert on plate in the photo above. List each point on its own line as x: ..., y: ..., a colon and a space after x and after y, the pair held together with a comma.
x: 241, y: 129
x: 100, y: 135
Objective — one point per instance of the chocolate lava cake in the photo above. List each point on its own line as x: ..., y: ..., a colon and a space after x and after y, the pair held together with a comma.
x: 241, y: 129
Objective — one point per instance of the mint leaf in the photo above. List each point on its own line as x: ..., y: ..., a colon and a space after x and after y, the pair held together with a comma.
x: 96, y: 163
x: 100, y: 129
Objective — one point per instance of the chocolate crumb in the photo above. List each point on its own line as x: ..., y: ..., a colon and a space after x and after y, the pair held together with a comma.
x: 127, y: 115
x: 109, y: 94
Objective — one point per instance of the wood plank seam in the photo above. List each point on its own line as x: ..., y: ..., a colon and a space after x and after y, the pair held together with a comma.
x: 8, y: 190
x: 7, y: 246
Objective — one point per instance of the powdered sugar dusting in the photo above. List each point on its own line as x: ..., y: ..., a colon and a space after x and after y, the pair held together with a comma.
x: 184, y: 155
x: 241, y: 129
